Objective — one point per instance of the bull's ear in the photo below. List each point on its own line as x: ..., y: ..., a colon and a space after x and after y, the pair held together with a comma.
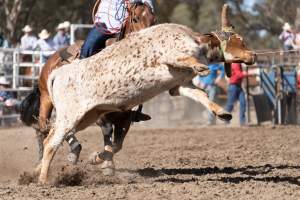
x: 226, y: 25
x: 227, y: 67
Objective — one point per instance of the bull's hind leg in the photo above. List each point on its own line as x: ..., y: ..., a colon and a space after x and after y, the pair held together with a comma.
x: 51, y: 145
x: 46, y: 108
x: 201, y: 97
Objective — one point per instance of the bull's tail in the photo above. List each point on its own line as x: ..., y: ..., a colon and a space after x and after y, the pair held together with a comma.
x: 30, y: 107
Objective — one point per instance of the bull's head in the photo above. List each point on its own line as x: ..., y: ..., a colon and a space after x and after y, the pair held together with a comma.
x: 232, y: 44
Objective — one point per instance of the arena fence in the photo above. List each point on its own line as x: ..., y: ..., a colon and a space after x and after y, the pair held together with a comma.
x: 275, y: 86
x: 21, y: 68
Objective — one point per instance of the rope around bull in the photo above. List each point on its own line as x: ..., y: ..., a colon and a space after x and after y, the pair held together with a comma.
x: 275, y: 52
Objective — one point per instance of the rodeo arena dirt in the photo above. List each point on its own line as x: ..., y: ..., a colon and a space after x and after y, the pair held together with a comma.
x: 180, y: 153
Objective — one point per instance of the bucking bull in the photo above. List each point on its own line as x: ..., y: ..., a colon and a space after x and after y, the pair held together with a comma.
x: 36, y: 108
x: 161, y: 58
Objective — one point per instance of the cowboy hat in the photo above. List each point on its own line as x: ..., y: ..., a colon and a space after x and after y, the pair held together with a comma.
x: 4, y: 81
x: 60, y: 26
x: 44, y: 34
x: 67, y: 24
x: 27, y: 29
x: 286, y: 26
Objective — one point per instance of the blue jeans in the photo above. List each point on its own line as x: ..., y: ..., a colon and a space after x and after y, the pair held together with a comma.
x: 235, y: 92
x: 211, y: 90
x: 95, y: 41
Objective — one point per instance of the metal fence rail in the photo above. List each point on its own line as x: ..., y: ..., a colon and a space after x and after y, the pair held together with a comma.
x: 12, y: 63
x: 278, y: 84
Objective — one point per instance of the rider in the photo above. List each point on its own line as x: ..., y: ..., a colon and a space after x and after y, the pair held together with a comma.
x: 110, y: 16
x: 108, y: 20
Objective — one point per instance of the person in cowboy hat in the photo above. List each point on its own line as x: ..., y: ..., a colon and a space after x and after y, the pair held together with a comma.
x: 108, y: 21
x: 45, y: 44
x: 28, y: 40
x: 67, y: 26
x: 60, y: 40
x: 287, y: 37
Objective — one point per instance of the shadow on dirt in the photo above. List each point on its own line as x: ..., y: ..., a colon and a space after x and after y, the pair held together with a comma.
x: 275, y: 179
x: 247, y: 173
x: 84, y: 176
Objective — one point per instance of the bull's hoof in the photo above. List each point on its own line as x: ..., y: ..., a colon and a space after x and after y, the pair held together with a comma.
x: 42, y: 180
x: 74, y: 155
x: 224, y: 115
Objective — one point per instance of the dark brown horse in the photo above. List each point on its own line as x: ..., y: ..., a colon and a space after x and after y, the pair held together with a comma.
x: 37, y: 107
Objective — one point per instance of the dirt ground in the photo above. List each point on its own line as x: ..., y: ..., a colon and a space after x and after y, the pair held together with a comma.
x: 203, y: 163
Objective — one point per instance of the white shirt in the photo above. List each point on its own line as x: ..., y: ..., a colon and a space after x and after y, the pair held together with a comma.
x: 113, y: 13
x: 45, y: 45
x: 28, y: 42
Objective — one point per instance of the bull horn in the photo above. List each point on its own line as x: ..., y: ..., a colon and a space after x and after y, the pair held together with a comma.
x: 225, y: 19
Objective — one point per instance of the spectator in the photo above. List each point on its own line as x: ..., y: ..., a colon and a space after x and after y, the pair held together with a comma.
x: 287, y: 37
x: 60, y: 40
x: 45, y: 44
x: 67, y: 26
x: 28, y: 40
x: 5, y: 96
x: 28, y: 43
x: 235, y: 91
x: 209, y: 84
x: 3, y: 42
x: 296, y: 42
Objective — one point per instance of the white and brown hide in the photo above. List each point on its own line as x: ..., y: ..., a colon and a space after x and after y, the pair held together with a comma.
x: 126, y: 74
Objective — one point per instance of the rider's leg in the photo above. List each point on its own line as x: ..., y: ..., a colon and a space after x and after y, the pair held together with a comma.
x: 95, y: 41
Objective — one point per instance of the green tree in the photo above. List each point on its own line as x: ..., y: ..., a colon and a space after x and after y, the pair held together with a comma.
x: 209, y: 15
x: 182, y: 15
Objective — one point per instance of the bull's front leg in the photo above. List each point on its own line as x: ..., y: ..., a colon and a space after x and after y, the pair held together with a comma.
x: 188, y: 62
x: 200, y: 96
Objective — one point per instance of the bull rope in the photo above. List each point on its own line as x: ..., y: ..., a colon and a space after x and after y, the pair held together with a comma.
x: 275, y: 52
